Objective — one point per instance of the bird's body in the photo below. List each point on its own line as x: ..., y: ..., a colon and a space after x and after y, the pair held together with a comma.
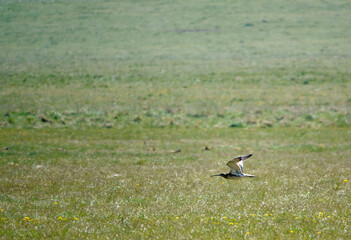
x: 236, y: 169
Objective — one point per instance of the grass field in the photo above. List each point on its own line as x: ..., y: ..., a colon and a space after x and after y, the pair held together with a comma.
x: 98, y: 97
x: 108, y: 183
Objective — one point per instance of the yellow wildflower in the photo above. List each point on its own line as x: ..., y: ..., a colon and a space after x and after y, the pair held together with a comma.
x: 345, y: 180
x: 318, y: 232
x: 60, y: 218
x: 55, y: 203
x: 2, y: 210
x: 76, y: 218
x: 321, y: 213
x: 231, y: 223
x: 26, y: 218
x: 247, y: 233
x: 224, y: 217
x: 266, y: 215
x: 296, y: 218
x: 137, y: 184
x: 291, y: 231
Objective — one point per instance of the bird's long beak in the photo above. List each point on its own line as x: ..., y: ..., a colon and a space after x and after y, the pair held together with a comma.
x: 216, y: 175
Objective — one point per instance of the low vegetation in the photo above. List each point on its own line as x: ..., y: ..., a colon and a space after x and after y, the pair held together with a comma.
x: 114, y: 115
x: 133, y: 183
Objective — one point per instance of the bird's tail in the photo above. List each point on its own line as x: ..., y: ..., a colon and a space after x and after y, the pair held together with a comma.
x: 249, y: 175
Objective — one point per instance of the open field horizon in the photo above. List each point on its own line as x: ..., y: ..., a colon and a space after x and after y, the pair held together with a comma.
x: 108, y: 37
x: 242, y: 64
x: 114, y: 115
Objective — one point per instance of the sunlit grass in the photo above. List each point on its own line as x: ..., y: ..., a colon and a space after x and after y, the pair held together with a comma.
x: 219, y: 104
x: 92, y: 183
x: 114, y: 115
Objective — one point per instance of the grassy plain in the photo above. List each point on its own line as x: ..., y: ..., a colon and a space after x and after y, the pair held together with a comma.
x: 96, y: 97
x: 108, y: 183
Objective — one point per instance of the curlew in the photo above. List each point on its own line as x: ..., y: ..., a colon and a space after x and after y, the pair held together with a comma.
x: 236, y: 168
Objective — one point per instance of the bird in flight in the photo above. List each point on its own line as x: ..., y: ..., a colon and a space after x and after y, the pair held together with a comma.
x: 236, y: 168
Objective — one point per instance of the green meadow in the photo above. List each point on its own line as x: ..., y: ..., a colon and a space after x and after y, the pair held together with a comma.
x: 114, y: 115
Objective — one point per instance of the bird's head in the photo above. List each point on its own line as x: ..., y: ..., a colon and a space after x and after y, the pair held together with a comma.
x: 219, y: 175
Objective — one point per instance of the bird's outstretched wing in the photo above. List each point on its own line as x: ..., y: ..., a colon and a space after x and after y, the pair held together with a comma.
x: 244, y: 157
x: 236, y: 165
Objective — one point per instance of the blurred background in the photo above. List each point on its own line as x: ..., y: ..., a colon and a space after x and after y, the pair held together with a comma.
x: 175, y: 63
